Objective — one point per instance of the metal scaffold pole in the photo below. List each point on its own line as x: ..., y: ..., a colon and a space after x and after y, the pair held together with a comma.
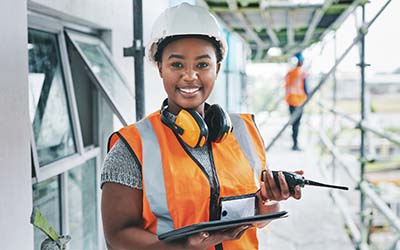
x: 365, y: 27
x: 363, y: 224
x: 137, y: 51
x: 139, y: 54
x: 334, y: 102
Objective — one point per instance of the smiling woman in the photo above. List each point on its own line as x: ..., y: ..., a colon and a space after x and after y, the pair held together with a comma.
x: 173, y: 168
x: 188, y: 68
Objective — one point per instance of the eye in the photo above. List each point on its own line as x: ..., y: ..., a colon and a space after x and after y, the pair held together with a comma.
x: 177, y: 65
x: 202, y: 65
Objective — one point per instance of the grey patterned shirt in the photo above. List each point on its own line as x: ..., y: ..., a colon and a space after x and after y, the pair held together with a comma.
x: 120, y: 166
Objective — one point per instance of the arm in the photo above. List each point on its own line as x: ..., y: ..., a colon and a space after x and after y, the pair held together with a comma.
x: 306, y: 86
x: 121, y: 208
x: 123, y: 226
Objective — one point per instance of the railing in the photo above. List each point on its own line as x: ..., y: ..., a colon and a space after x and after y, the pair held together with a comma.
x: 363, y: 186
x: 358, y: 230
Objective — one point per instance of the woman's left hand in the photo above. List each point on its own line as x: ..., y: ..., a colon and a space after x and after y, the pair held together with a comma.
x: 271, y: 191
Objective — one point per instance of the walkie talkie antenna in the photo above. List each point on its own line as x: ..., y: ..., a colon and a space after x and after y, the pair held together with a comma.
x: 314, y: 183
x: 294, y: 179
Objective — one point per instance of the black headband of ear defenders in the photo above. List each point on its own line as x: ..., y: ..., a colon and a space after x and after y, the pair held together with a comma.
x: 164, y: 105
x: 162, y: 43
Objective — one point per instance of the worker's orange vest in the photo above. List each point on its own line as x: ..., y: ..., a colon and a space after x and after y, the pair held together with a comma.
x: 179, y: 193
x: 295, y: 95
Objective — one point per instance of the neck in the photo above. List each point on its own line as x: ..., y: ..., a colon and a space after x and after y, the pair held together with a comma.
x: 175, y: 109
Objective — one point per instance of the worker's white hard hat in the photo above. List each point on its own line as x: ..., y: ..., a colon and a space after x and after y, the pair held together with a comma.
x: 184, y: 19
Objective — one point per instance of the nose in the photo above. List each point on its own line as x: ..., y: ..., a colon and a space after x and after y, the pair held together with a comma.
x: 190, y: 75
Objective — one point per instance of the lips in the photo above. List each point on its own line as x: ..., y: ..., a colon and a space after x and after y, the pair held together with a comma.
x: 189, y: 90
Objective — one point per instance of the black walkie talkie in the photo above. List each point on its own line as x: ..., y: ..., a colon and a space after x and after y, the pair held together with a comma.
x: 294, y: 179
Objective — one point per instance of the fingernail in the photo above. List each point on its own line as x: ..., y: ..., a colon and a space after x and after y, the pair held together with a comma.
x: 205, y: 234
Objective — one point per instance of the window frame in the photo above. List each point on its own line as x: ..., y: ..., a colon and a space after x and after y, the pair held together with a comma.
x: 75, y: 35
x: 60, y: 167
x: 57, y: 167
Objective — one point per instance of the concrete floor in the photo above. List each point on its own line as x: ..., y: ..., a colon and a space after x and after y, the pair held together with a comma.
x: 314, y: 223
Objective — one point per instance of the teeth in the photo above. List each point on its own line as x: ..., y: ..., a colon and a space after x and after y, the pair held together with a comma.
x: 189, y: 90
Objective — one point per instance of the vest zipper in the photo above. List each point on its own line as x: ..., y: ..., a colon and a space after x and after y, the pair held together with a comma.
x: 214, y: 204
x: 214, y: 208
x: 213, y: 180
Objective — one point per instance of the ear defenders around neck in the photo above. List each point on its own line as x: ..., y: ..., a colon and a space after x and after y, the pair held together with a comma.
x: 218, y: 122
x: 195, y: 131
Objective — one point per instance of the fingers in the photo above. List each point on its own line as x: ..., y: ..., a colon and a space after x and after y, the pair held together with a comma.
x: 263, y: 192
x: 300, y: 171
x: 278, y: 189
x: 204, y: 235
x: 210, y: 239
x: 235, y: 233
x: 297, y: 193
x: 283, y: 185
x: 267, y: 185
x: 239, y: 235
x: 271, y: 187
x: 297, y: 190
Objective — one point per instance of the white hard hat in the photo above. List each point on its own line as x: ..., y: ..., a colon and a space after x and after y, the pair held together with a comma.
x: 184, y: 19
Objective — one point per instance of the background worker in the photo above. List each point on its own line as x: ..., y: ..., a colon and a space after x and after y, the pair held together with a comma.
x: 296, y: 95
x: 173, y: 168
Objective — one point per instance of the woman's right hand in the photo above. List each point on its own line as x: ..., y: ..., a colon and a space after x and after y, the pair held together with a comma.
x: 204, y: 240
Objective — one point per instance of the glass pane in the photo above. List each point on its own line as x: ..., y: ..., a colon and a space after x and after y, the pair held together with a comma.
x: 46, y: 197
x: 83, y: 206
x: 48, y: 106
x: 86, y: 95
x: 110, y: 80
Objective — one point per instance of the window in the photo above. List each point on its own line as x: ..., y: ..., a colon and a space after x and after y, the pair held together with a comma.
x: 86, y: 95
x: 48, y: 106
x: 108, y: 79
x: 65, y: 186
x: 46, y: 197
x: 69, y: 79
x: 82, y: 209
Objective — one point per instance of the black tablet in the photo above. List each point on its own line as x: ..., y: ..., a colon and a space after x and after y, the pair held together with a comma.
x: 218, y: 225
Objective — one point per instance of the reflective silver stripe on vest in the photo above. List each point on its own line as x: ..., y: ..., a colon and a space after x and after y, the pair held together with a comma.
x: 246, y: 144
x: 153, y: 176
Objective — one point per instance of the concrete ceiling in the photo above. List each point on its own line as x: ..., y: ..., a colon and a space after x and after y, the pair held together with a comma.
x: 290, y: 25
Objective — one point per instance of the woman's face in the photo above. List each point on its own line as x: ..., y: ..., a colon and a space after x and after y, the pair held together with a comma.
x: 188, y: 68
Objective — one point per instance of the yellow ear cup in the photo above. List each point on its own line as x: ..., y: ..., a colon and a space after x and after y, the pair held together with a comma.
x: 194, y: 133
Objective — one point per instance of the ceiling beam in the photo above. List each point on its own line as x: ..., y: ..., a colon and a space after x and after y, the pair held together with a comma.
x: 246, y: 24
x: 268, y: 23
x: 319, y: 13
x: 227, y: 26
x: 284, y: 5
x: 343, y: 16
x: 289, y: 28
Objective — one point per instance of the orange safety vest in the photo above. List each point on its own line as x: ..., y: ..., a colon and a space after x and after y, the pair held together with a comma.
x: 295, y: 95
x: 177, y: 191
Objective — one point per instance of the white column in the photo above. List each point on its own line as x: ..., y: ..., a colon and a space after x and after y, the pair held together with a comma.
x: 15, y: 164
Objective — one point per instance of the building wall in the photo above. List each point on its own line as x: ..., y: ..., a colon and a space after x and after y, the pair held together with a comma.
x: 114, y: 17
x: 15, y: 177
x: 154, y: 90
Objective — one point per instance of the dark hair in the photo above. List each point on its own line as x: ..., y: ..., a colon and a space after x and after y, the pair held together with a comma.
x: 161, y: 44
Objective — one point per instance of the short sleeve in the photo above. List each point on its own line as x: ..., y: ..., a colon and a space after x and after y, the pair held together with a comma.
x: 120, y: 166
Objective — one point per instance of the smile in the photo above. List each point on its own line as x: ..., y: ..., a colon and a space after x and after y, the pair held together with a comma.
x: 189, y: 90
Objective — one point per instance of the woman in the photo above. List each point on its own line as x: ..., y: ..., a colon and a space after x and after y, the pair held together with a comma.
x: 177, y: 166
